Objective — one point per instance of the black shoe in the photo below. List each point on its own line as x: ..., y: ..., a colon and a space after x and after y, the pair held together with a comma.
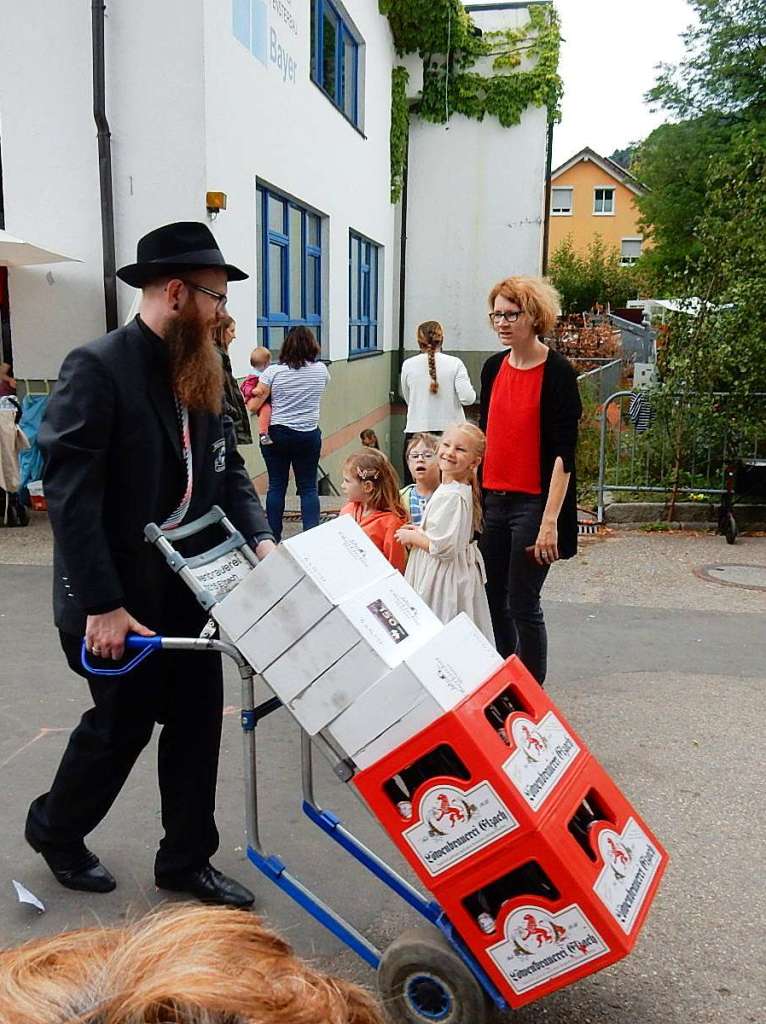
x: 209, y: 886
x: 74, y: 866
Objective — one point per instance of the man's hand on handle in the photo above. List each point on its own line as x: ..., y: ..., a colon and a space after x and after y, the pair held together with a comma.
x: 105, y: 634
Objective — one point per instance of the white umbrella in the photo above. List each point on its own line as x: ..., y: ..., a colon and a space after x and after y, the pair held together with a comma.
x: 15, y: 252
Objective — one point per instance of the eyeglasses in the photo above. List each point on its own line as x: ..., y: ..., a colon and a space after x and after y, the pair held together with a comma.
x: 426, y: 456
x: 510, y: 316
x: 219, y: 296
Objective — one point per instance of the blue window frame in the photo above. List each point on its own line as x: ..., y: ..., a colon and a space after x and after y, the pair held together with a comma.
x: 335, y: 58
x: 363, y: 267
x: 290, y: 267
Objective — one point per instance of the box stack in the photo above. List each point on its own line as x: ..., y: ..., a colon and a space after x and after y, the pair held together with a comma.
x: 347, y: 645
x: 538, y: 860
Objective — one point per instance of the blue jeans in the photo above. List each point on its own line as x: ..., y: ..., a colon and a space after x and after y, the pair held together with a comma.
x: 299, y: 449
x: 514, y: 580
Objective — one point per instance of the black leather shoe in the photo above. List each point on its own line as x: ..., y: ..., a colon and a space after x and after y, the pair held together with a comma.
x: 209, y: 886
x: 75, y: 866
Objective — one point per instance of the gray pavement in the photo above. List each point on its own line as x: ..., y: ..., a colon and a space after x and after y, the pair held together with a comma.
x: 661, y: 671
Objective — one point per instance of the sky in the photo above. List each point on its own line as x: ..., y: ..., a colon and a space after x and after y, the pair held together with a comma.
x: 608, y: 56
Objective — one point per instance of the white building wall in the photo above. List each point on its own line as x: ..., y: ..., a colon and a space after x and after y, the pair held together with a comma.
x: 274, y: 124
x: 50, y: 178
x: 474, y: 213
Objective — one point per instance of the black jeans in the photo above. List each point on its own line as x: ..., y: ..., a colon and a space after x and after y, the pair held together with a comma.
x: 514, y: 581
x: 299, y: 448
x: 183, y: 691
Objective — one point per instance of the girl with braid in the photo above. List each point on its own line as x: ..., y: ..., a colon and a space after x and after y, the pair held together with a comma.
x: 435, y: 387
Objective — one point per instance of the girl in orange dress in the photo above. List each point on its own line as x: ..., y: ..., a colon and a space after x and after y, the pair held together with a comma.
x: 372, y: 487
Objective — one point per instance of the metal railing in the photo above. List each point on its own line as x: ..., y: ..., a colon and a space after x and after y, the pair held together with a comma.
x: 638, y: 340
x: 643, y: 454
x: 603, y: 380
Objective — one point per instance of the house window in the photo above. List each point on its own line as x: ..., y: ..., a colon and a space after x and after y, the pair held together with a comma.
x: 561, y: 201
x: 335, y: 52
x: 290, y: 267
x: 603, y: 200
x: 363, y: 264
x: 630, y: 250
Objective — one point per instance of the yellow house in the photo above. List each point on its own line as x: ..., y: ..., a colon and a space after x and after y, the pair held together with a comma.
x: 591, y: 195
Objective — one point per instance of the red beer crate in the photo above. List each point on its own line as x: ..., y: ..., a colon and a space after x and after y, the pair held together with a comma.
x: 469, y: 788
x: 538, y: 860
x: 561, y: 901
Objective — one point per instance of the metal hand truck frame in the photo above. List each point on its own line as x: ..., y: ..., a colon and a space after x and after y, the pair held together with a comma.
x: 426, y: 975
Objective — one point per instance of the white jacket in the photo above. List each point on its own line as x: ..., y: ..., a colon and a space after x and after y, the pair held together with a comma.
x: 426, y: 411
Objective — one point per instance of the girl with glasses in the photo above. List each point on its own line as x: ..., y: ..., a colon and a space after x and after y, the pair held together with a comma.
x: 424, y: 469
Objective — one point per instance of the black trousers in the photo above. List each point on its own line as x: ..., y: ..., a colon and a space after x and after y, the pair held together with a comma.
x: 183, y: 692
x: 514, y: 581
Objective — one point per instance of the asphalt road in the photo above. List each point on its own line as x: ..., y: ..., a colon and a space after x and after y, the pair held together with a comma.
x: 671, y: 699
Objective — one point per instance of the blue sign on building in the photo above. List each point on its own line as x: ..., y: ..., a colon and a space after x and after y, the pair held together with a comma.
x: 249, y: 22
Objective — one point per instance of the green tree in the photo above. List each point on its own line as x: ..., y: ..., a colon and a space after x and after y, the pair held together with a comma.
x: 674, y: 162
x: 583, y: 280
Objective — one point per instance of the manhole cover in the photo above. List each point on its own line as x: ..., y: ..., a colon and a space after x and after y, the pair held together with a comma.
x: 751, y: 577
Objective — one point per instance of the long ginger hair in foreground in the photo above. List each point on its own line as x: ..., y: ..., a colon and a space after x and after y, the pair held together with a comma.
x: 186, y: 964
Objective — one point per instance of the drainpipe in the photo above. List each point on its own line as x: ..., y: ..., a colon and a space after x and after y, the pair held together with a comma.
x: 546, y: 214
x: 104, y: 165
x: 402, y: 270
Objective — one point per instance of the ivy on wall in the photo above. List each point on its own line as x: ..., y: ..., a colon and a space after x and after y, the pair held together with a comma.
x: 450, y: 45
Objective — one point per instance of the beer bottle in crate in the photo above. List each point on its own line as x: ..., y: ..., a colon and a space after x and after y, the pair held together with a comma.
x: 587, y: 814
x: 486, y: 904
x: 498, y: 712
x: 441, y: 761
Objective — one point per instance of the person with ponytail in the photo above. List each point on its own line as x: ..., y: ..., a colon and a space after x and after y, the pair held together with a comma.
x: 435, y: 387
x: 445, y: 566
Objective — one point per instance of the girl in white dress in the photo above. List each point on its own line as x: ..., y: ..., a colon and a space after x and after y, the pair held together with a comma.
x: 445, y: 566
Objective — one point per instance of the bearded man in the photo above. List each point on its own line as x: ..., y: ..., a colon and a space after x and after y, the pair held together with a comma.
x: 134, y: 433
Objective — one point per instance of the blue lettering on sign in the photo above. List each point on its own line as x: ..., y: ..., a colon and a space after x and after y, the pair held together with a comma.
x: 281, y: 58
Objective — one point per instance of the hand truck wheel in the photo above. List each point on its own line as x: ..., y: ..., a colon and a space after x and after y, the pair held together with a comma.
x: 422, y: 980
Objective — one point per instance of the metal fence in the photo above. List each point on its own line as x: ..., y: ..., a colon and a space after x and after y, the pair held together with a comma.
x: 602, y: 380
x: 665, y: 450
x: 638, y: 340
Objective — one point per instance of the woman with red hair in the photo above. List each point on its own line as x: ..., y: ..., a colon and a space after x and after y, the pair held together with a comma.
x: 529, y: 409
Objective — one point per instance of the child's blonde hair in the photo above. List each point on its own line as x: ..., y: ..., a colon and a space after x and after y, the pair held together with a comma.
x: 258, y: 353
x: 372, y: 466
x: 478, y: 441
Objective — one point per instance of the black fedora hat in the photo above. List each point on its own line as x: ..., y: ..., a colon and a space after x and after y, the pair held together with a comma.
x: 173, y: 248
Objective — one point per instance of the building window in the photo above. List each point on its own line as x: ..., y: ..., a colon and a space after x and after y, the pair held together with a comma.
x: 335, y: 53
x: 630, y: 250
x: 290, y: 267
x: 561, y: 201
x: 363, y: 264
x: 603, y: 200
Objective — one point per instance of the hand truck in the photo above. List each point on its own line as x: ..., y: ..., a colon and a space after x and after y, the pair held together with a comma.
x: 427, y: 975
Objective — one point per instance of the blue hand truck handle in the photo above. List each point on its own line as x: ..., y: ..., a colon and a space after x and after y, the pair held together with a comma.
x: 145, y: 645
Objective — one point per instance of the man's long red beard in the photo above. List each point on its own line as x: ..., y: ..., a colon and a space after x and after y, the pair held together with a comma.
x: 196, y: 370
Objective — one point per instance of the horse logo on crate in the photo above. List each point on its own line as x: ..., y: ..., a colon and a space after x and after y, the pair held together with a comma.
x: 454, y: 824
x: 539, y: 945
x: 631, y: 861
x: 455, y: 811
x: 534, y: 744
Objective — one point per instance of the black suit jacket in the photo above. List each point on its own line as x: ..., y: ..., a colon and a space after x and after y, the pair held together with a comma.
x: 560, y: 412
x: 113, y: 463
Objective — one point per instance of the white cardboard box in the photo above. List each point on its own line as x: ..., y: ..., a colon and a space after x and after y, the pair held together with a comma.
x: 417, y: 718
x: 296, y: 586
x: 434, y: 678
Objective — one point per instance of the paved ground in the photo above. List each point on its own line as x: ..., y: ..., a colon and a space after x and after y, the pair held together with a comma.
x: 663, y: 673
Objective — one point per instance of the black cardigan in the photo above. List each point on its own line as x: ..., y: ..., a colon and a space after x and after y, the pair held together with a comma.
x: 560, y: 411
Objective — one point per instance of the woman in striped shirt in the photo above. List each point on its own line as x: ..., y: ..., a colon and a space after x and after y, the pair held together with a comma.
x: 295, y: 385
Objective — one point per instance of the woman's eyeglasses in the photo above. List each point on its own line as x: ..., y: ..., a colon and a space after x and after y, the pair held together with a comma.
x: 510, y: 316
x: 426, y: 456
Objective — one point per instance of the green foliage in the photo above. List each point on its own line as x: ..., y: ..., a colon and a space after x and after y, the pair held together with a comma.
x: 674, y: 163
x: 596, y: 277
x: 400, y: 129
x: 625, y: 157
x: 444, y: 35
x: 725, y: 68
